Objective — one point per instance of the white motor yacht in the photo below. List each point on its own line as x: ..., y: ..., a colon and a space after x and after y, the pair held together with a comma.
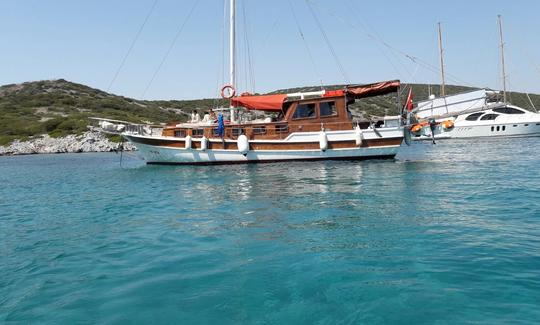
x: 473, y: 114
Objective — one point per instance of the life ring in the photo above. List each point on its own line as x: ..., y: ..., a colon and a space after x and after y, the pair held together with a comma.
x: 230, y: 89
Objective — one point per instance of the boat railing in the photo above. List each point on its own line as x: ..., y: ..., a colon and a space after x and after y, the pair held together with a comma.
x: 111, y: 126
x: 275, y: 130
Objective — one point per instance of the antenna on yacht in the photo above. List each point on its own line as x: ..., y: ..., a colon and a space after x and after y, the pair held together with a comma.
x: 232, y: 50
x: 499, y: 18
x: 443, y: 92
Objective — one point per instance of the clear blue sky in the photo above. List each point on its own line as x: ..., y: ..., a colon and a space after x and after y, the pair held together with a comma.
x: 85, y: 42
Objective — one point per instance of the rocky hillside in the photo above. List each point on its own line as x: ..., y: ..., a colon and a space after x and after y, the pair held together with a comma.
x: 59, y: 108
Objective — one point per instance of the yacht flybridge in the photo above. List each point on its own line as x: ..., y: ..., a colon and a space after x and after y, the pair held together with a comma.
x: 306, y: 126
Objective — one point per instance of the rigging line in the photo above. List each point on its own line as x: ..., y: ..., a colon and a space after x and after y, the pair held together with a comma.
x: 170, y: 48
x: 364, y: 30
x: 248, y: 49
x: 415, y: 59
x: 270, y: 32
x: 312, y: 61
x: 308, y: 3
x: 378, y: 39
x: 221, y: 72
x: 131, y: 46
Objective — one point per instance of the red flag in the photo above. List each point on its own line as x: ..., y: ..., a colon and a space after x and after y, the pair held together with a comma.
x: 409, y: 102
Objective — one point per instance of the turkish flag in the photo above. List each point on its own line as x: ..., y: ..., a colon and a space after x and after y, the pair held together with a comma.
x: 409, y: 102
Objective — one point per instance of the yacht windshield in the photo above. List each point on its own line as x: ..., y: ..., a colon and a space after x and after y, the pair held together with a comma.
x: 473, y: 117
x: 508, y: 110
x: 489, y: 117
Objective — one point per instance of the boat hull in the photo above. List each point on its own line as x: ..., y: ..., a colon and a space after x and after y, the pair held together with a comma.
x: 517, y: 129
x: 172, y: 151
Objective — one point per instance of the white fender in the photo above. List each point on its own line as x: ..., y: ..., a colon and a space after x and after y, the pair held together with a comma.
x: 323, y: 141
x: 188, y: 142
x: 359, y: 136
x: 204, y: 143
x: 243, y: 144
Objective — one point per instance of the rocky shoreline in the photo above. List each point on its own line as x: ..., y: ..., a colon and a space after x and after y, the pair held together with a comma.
x: 90, y: 141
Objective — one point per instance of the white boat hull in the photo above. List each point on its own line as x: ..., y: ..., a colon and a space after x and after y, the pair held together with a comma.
x: 157, y: 155
x: 167, y: 154
x: 505, y: 125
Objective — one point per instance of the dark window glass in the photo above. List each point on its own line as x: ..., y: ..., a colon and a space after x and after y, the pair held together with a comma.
x: 180, y: 133
x: 197, y: 132
x: 281, y: 128
x: 473, y: 117
x: 498, y: 128
x: 504, y: 127
x: 526, y: 124
x: 508, y: 110
x: 237, y: 131
x: 259, y: 130
x: 327, y: 109
x: 489, y: 117
x: 492, y: 128
x: 304, y: 111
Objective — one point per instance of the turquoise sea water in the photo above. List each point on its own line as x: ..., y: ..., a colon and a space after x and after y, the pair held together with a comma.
x: 446, y: 234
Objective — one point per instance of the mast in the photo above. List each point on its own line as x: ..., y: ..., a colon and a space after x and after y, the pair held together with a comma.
x: 502, y: 57
x: 443, y: 92
x: 232, y: 50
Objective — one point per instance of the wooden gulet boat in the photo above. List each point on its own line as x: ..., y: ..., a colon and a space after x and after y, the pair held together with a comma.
x: 310, y: 128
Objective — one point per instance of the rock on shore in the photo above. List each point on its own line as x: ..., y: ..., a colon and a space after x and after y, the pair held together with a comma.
x: 90, y: 141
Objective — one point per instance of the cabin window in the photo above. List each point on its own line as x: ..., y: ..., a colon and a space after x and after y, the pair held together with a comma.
x: 489, y: 117
x: 197, y: 132
x: 180, y: 133
x: 304, y: 111
x: 282, y: 128
x: 504, y: 128
x: 498, y: 128
x: 327, y: 109
x: 237, y: 131
x: 473, y: 117
x: 492, y: 128
x: 508, y: 110
x: 259, y: 130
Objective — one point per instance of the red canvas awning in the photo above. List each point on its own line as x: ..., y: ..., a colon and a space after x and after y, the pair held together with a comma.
x: 271, y: 103
x: 375, y: 89
x: 334, y: 93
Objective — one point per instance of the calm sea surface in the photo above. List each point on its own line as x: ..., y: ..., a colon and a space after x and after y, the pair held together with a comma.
x: 446, y: 234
